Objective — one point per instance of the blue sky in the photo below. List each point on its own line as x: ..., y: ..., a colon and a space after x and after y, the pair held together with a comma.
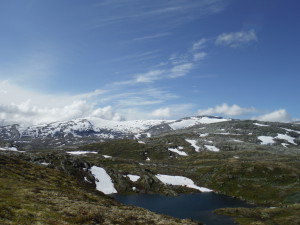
x: 149, y: 59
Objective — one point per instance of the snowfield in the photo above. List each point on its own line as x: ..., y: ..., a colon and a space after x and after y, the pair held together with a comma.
x: 180, y: 181
x: 89, y: 125
x: 287, y: 138
x: 185, y: 123
x: 266, y: 140
x: 103, y: 181
x: 128, y: 126
x: 291, y: 130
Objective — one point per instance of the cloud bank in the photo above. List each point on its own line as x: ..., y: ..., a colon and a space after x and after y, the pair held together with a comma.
x: 19, y: 105
x: 227, y: 110
x: 280, y: 115
x: 161, y: 113
x: 27, y: 113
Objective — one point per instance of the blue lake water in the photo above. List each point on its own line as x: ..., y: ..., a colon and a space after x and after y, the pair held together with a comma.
x: 194, y: 206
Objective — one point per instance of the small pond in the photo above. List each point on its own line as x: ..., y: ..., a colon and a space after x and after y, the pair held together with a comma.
x: 195, y: 206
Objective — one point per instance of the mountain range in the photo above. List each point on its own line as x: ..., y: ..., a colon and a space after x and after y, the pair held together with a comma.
x: 95, y: 129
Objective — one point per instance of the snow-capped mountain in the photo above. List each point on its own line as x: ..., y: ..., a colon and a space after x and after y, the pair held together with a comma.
x: 105, y: 129
x: 94, y: 130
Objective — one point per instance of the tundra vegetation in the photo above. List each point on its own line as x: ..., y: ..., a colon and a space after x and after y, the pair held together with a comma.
x: 54, y: 186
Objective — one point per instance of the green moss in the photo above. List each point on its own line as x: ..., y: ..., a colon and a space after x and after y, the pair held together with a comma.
x: 268, y: 216
x: 32, y: 194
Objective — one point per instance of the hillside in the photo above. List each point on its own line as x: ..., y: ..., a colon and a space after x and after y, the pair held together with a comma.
x: 34, y: 194
x: 251, y: 160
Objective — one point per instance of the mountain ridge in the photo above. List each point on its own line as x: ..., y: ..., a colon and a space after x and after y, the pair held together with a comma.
x: 92, y: 126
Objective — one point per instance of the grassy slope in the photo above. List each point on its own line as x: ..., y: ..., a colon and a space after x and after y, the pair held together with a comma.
x: 258, y: 176
x: 31, y: 194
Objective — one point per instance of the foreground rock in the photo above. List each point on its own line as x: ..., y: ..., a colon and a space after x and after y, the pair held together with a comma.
x: 33, y: 194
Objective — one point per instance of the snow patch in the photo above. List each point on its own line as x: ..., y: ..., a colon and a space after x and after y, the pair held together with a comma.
x: 212, y: 148
x: 287, y: 138
x: 180, y: 181
x: 260, y: 125
x: 107, y: 156
x: 292, y: 130
x: 13, y: 149
x: 103, y: 181
x: 266, y: 140
x: 86, y: 180
x: 235, y: 140
x: 130, y: 126
x: 223, y: 133
x: 193, y: 143
x: 81, y: 152
x: 179, y: 152
x: 185, y: 123
x: 137, y: 136
x: 133, y: 178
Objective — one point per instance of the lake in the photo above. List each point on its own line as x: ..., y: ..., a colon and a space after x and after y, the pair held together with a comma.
x: 195, y: 206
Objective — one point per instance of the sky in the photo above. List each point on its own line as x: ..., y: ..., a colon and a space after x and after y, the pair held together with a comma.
x: 149, y: 59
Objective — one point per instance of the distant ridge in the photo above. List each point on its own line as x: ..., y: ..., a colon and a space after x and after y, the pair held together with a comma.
x: 96, y: 127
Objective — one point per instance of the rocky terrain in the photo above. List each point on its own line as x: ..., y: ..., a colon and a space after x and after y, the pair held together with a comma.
x: 251, y: 160
x: 34, y: 194
x: 91, y: 130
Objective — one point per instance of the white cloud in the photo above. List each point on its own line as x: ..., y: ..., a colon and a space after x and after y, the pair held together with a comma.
x: 154, y: 36
x: 227, y: 110
x: 181, y: 70
x: 236, y: 39
x: 149, y: 76
x: 19, y: 105
x: 91, y: 94
x: 173, y: 13
x: 199, y: 44
x: 199, y: 56
x: 176, y: 59
x: 161, y: 113
x: 106, y: 113
x: 155, y: 75
x: 280, y: 115
x: 177, y: 65
x: 27, y: 113
x: 166, y: 112
x: 138, y: 101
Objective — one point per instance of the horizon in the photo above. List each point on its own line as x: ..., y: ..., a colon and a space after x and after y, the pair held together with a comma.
x: 140, y: 60
x: 95, y: 120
